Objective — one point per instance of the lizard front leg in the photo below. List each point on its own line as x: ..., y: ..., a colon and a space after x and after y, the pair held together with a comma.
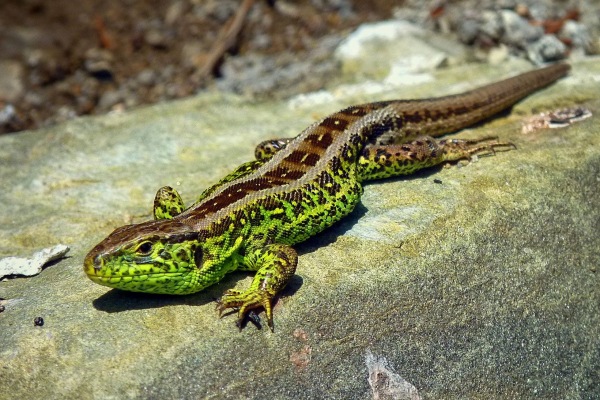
x: 275, y: 264
x: 167, y: 203
x: 267, y: 149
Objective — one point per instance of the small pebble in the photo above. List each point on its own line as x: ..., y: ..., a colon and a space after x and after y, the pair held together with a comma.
x: 109, y: 99
x: 547, y: 48
x: 7, y: 113
x: 98, y: 63
x: 11, y: 80
x: 468, y: 31
x: 517, y: 30
x: 577, y: 34
x: 38, y: 321
x: 32, y: 265
x: 492, y: 24
x: 175, y: 12
x: 155, y: 38
x: 147, y: 77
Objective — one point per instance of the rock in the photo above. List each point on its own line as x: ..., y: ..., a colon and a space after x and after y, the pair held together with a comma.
x: 98, y: 63
x: 11, y: 80
x: 468, y: 31
x: 156, y: 38
x: 517, y: 31
x: 175, y: 12
x: 392, y: 47
x: 109, y: 99
x: 387, y: 384
x: 31, y: 266
x: 491, y: 24
x: 366, y: 36
x: 485, y: 283
x: 577, y: 35
x: 548, y: 48
x: 7, y: 114
x: 146, y: 77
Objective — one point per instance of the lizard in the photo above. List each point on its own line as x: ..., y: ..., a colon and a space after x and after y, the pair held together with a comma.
x: 294, y: 189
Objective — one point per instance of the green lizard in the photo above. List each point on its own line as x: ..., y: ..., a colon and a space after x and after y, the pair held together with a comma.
x: 293, y: 190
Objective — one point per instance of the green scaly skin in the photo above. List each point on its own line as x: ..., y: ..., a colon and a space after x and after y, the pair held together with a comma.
x: 295, y: 189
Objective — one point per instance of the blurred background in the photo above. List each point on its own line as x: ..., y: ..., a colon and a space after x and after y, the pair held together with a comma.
x: 59, y: 61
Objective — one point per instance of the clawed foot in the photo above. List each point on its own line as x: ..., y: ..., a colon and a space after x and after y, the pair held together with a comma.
x: 245, y: 303
x: 488, y: 146
x: 275, y: 265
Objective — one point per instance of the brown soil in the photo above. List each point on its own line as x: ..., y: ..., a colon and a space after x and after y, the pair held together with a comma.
x: 90, y: 57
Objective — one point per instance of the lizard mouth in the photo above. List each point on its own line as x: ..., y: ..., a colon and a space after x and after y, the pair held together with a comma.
x: 148, y: 283
x: 89, y: 268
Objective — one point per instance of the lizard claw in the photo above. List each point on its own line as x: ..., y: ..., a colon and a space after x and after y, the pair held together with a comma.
x: 245, y: 303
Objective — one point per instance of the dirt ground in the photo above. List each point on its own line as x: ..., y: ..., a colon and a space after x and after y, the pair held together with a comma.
x: 60, y: 59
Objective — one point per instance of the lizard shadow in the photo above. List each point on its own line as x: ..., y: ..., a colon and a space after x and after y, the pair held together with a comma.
x: 116, y: 300
x: 330, y: 235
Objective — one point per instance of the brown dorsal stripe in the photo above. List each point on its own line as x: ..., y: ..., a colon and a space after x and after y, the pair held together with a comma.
x: 293, y: 166
x: 303, y: 157
x: 335, y: 123
x: 311, y: 159
x: 236, y: 192
x: 282, y: 174
x: 296, y: 156
x: 320, y: 139
x: 296, y: 164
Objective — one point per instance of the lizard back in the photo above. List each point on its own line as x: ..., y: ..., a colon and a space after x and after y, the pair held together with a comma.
x: 312, y: 183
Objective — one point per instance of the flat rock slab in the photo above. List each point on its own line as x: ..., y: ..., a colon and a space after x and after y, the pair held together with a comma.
x: 474, y: 281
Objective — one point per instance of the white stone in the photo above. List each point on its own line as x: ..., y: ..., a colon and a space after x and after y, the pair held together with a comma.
x: 366, y: 34
x: 33, y: 265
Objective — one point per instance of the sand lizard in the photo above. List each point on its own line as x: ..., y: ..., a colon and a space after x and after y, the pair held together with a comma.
x: 293, y: 190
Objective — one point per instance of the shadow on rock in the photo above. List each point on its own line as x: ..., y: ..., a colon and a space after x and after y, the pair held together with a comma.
x: 116, y: 300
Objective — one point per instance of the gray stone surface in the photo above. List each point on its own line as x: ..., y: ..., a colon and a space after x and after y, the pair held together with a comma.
x: 482, y: 286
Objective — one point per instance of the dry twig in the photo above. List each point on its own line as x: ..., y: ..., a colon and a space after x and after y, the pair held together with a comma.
x: 227, y: 38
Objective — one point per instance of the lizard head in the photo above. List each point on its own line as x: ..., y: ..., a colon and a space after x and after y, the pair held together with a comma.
x: 154, y: 257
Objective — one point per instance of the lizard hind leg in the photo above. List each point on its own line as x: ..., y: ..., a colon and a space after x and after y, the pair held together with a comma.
x: 383, y: 161
x: 275, y: 264
x: 456, y: 149
x: 167, y: 203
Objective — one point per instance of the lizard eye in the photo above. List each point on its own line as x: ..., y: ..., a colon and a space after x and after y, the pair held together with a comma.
x: 144, y: 249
